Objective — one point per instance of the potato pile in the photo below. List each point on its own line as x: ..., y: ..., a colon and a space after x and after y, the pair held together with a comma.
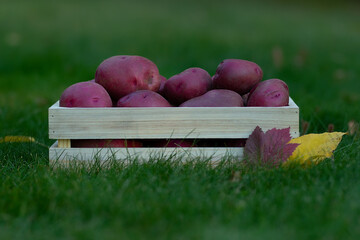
x: 134, y: 81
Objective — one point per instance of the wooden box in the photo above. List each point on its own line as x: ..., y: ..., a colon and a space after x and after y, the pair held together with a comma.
x: 160, y: 123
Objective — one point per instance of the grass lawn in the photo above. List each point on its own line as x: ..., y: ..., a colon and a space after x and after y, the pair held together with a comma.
x: 47, y: 45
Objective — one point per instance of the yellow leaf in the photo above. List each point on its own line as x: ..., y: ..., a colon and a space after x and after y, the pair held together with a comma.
x: 20, y: 139
x: 315, y: 147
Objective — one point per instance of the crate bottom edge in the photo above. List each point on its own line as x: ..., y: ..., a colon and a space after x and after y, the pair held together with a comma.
x: 66, y: 155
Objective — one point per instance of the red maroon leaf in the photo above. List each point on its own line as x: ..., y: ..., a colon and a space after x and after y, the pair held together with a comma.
x: 254, y: 146
x: 270, y: 148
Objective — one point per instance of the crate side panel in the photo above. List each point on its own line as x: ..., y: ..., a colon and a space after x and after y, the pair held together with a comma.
x: 167, y: 122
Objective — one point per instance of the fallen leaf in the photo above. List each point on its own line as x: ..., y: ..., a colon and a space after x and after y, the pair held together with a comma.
x: 18, y: 139
x: 254, y: 146
x: 315, y: 147
x: 268, y: 149
x: 277, y: 148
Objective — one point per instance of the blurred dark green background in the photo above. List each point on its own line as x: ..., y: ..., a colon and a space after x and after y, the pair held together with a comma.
x: 45, y: 46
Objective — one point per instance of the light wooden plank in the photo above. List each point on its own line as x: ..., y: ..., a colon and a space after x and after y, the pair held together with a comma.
x: 147, y: 123
x: 64, y: 143
x: 68, y: 155
x: 292, y: 104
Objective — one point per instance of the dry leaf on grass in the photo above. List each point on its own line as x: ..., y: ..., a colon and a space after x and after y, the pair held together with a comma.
x: 315, y: 147
x: 275, y: 147
x: 18, y: 139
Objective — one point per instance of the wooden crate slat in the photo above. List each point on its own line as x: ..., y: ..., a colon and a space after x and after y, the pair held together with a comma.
x: 60, y: 156
x: 147, y: 123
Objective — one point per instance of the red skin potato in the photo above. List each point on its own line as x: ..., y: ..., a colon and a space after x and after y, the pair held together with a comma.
x: 85, y: 94
x: 245, y: 98
x: 143, y: 98
x: 269, y: 93
x: 237, y: 75
x: 121, y: 75
x: 105, y: 143
x: 216, y: 98
x: 192, y: 82
x: 162, y: 84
